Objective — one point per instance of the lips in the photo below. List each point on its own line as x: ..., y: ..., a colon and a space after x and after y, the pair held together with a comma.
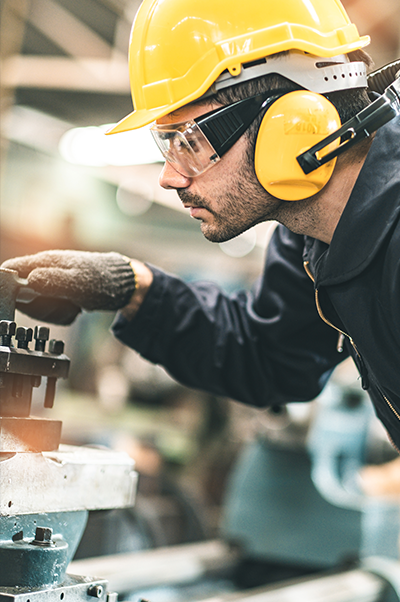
x: 196, y: 211
x: 193, y: 203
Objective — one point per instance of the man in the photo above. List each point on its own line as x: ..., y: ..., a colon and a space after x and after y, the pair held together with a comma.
x: 239, y: 92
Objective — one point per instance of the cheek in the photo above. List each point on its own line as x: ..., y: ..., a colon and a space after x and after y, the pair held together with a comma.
x: 232, y: 163
x: 223, y: 176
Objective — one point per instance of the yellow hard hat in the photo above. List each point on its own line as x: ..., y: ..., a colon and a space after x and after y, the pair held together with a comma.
x: 178, y: 48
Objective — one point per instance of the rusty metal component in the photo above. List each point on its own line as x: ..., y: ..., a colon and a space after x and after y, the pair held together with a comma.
x: 22, y: 369
x: 29, y: 434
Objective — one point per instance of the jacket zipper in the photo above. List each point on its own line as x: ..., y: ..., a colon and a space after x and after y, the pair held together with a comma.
x: 342, y: 335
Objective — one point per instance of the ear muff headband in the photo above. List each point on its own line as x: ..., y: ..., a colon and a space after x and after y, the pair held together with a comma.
x: 367, y: 121
x: 292, y: 125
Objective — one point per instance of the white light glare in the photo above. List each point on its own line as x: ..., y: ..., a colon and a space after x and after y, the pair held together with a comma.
x: 240, y: 245
x: 90, y: 146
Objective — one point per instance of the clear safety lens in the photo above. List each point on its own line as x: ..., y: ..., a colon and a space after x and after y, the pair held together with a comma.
x: 185, y: 147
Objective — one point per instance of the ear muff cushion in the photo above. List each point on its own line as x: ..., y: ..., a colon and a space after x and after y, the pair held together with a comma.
x: 292, y: 125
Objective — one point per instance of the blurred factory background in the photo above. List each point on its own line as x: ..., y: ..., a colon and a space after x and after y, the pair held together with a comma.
x: 64, y: 79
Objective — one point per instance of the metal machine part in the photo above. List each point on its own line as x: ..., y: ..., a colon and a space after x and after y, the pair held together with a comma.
x: 376, y: 579
x: 47, y: 489
x: 21, y: 370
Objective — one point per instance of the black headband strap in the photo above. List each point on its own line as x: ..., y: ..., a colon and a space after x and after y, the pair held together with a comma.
x: 223, y: 127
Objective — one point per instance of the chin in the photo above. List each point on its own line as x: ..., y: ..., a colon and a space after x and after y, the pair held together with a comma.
x: 215, y: 235
x: 211, y: 234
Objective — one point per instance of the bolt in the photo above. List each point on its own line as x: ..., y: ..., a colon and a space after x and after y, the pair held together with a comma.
x: 56, y: 347
x: 36, y: 380
x: 23, y: 336
x: 18, y: 385
x: 96, y: 591
x: 50, y: 392
x: 41, y: 335
x: 7, y: 330
x: 43, y: 537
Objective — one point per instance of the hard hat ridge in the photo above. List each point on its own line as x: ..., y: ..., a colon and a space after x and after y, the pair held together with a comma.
x: 318, y: 74
x: 179, y: 48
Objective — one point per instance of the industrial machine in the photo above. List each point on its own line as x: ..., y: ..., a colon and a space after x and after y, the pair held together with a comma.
x: 46, y: 488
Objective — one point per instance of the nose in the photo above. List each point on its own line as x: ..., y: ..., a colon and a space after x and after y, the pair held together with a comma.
x: 170, y: 178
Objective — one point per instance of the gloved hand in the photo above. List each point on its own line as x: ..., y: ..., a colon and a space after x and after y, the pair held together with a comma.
x: 69, y: 281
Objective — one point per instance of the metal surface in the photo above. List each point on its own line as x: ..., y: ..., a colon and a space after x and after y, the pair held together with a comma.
x: 191, y: 562
x: 73, y: 589
x: 71, y: 478
x: 63, y: 525
x: 28, y: 434
x: 274, y: 512
x: 25, y: 563
x: 349, y: 586
x: 33, y: 363
x: 162, y: 566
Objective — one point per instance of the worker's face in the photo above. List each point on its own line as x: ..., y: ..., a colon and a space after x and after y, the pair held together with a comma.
x: 227, y: 198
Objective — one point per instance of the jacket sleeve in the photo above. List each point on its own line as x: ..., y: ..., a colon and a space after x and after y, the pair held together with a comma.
x: 261, y: 348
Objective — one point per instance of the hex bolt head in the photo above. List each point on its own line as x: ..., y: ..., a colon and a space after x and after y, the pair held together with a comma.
x: 43, y: 537
x: 96, y: 591
x: 23, y: 336
x: 41, y: 335
x: 7, y: 327
x: 7, y: 331
x: 56, y: 347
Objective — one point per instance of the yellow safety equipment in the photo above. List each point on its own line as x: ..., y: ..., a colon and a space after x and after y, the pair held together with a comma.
x: 292, y: 125
x: 178, y: 48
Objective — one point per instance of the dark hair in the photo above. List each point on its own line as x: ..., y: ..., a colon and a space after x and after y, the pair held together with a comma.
x: 347, y: 102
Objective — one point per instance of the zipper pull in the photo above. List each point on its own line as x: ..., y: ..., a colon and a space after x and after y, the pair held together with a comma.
x: 340, y: 341
x: 361, y: 368
x: 365, y: 380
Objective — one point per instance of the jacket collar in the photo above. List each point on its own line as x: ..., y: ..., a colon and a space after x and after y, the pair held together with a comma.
x: 372, y: 209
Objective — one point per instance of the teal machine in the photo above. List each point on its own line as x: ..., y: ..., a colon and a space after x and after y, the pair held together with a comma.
x: 46, y: 488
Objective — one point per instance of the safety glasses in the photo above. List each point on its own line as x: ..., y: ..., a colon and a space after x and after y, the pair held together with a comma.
x: 193, y: 146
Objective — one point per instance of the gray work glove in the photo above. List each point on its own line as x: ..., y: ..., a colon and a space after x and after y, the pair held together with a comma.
x: 69, y: 281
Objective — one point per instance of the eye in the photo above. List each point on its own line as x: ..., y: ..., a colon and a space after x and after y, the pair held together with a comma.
x: 179, y: 145
x: 194, y: 144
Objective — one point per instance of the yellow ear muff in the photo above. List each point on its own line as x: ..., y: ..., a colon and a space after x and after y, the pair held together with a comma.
x: 292, y: 125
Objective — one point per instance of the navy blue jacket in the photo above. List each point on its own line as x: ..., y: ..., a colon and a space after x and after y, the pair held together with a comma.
x: 279, y: 343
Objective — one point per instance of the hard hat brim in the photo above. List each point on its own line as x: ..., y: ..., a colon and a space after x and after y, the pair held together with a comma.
x: 137, y: 119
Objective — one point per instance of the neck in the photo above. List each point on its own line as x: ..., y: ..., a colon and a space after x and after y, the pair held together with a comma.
x: 319, y: 215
